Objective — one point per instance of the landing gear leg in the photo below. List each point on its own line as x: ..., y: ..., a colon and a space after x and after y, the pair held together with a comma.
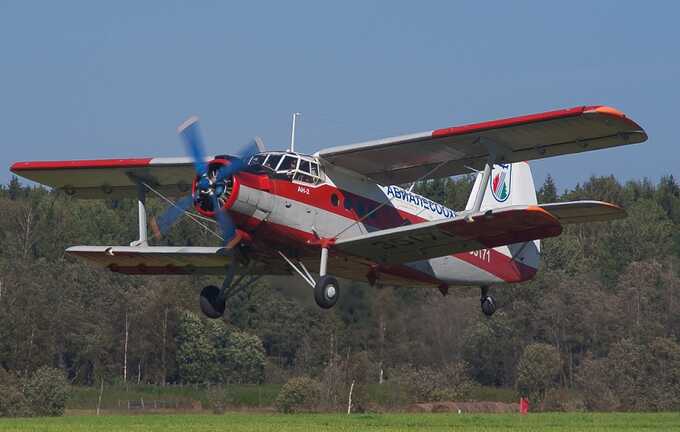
x: 326, y: 289
x: 487, y: 301
x: 213, y: 300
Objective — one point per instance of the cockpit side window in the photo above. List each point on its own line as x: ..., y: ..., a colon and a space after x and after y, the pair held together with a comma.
x: 272, y: 161
x: 304, y: 166
x: 314, y: 169
x: 288, y: 163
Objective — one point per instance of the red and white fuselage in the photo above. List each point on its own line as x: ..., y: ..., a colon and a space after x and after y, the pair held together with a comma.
x: 285, y: 209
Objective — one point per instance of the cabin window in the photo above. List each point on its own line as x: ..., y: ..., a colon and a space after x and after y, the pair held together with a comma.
x: 335, y: 200
x: 348, y: 203
x: 360, y: 209
x: 371, y: 212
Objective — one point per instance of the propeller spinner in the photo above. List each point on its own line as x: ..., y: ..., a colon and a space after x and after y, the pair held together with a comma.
x: 215, y: 186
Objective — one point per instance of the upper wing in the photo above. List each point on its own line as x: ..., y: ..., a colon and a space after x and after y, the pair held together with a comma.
x: 111, y: 178
x: 584, y: 211
x: 408, y: 158
x: 432, y: 239
x: 166, y: 260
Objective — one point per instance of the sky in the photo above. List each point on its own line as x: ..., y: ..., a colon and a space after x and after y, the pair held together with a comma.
x: 95, y: 80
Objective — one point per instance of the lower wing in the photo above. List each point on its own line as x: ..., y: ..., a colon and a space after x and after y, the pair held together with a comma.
x: 169, y: 260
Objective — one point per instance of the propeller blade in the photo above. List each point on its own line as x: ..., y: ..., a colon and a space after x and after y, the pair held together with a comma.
x: 224, y: 221
x: 243, y: 155
x: 255, y: 146
x: 162, y: 224
x: 191, y: 136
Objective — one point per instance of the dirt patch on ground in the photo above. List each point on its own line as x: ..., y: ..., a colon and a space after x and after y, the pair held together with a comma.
x: 464, y: 407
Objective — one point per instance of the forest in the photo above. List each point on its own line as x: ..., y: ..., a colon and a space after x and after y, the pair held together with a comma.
x: 598, y: 328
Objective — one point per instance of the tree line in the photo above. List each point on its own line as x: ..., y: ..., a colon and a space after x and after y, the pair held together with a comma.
x: 605, y: 306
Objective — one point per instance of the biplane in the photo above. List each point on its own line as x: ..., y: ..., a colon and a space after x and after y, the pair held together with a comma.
x: 349, y: 211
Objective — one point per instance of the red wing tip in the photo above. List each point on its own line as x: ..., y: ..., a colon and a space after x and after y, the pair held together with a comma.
x: 612, y: 112
x: 614, y: 206
x: 622, y: 211
x: 603, y: 109
x: 544, y: 212
x: 548, y: 115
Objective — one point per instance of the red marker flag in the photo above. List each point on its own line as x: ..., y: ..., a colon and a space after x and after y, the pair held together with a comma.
x: 523, y: 406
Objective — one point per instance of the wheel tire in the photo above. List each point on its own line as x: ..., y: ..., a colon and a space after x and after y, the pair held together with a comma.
x: 211, y: 306
x: 488, y: 305
x: 326, y: 292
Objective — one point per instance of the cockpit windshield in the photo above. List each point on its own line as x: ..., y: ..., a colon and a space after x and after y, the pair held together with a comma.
x: 293, y: 166
x: 257, y: 160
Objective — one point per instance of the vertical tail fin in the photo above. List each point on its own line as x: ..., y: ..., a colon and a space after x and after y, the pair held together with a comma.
x: 510, y: 185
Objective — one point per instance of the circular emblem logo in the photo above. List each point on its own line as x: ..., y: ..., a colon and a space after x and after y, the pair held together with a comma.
x: 500, y: 181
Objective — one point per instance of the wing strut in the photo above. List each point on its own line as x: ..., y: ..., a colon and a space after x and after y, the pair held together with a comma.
x: 496, y: 151
x: 141, y: 213
x: 306, y: 276
x: 485, y: 180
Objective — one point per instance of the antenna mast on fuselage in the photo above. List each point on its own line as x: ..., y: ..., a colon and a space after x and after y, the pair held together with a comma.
x: 292, y: 132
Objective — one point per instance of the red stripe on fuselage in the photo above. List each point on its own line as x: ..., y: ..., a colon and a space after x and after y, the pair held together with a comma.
x: 508, y: 270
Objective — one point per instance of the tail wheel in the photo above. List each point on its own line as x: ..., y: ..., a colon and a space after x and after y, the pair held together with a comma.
x: 326, y: 292
x: 211, y: 304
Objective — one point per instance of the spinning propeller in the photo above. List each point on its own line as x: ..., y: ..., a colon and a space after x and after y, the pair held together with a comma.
x: 213, y: 185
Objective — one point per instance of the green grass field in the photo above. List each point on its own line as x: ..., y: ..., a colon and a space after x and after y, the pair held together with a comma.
x: 241, y: 422
x: 255, y: 396
x: 243, y: 395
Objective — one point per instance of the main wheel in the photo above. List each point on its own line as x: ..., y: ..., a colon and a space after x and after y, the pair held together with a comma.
x: 488, y: 305
x: 210, y: 303
x: 326, y: 292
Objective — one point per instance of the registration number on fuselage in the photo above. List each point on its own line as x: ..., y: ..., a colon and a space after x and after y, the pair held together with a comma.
x: 482, y: 254
x: 303, y: 190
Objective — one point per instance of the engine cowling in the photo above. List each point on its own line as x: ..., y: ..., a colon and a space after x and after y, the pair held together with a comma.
x: 205, y: 186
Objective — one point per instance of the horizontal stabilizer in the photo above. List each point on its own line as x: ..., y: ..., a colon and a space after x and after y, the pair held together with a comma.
x: 584, y: 211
